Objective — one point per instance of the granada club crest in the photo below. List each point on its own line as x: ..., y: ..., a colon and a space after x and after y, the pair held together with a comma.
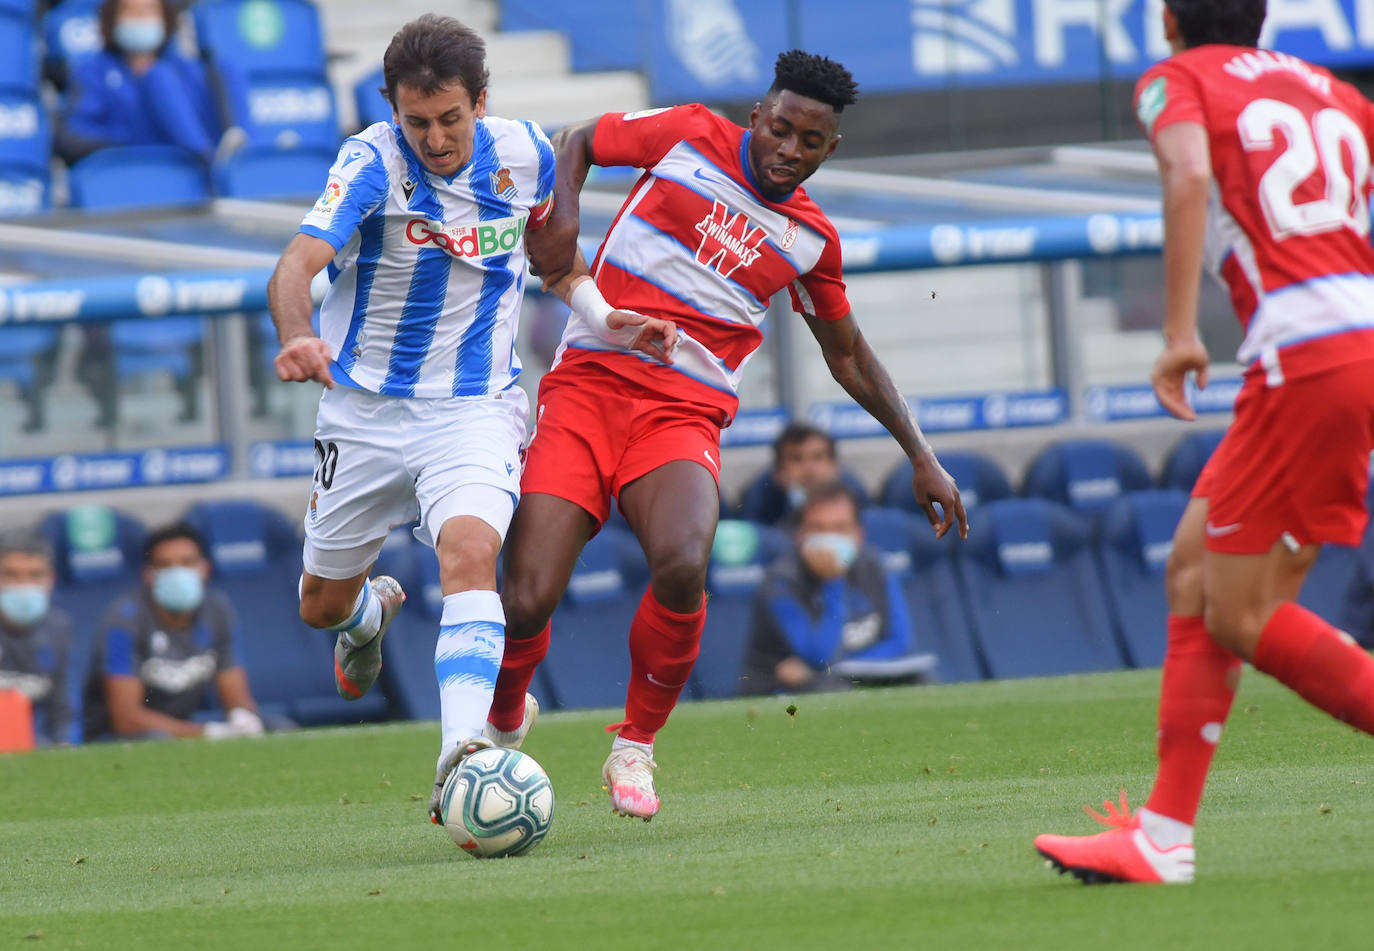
x: 728, y: 241
x: 502, y: 184
x: 789, y: 236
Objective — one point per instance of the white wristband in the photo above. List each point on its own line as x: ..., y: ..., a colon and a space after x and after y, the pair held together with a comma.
x: 586, y: 299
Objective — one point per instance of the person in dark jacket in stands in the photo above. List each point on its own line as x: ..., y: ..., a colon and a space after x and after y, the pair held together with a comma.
x: 828, y: 613
x: 35, y: 637
x: 140, y: 89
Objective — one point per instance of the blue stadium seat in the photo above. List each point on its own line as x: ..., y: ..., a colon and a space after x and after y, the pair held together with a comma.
x: 741, y: 554
x: 18, y: 52
x: 99, y: 556
x: 762, y: 501
x: 408, y: 651
x: 589, y: 660
x: 925, y: 569
x: 24, y: 9
x: 1087, y: 475
x: 1327, y: 585
x: 156, y: 346
x: 71, y: 30
x: 1035, y: 594
x: 256, y: 554
x: 1185, y: 460
x: 1136, y: 539
x: 266, y: 173
x: 138, y: 176
x: 599, y: 42
x: 20, y: 346
x: 283, y: 108
x: 25, y: 150
x: 372, y: 105
x: 23, y: 193
x: 980, y: 479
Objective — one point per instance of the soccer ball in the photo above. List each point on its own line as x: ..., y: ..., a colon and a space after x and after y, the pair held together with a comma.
x: 497, y: 803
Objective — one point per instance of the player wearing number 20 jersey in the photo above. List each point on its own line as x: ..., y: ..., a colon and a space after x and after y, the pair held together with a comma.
x: 1265, y: 163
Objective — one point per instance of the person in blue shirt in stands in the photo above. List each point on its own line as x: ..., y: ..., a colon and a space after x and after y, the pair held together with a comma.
x: 140, y: 89
x: 828, y: 613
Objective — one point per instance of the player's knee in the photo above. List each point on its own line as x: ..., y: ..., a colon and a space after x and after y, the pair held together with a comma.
x: 1183, y: 583
x: 468, y: 560
x: 319, y: 611
x: 527, y: 610
x: 678, y: 579
x: 1235, y: 626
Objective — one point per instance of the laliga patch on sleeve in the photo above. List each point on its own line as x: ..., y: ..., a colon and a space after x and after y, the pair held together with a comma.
x: 1153, y: 99
x: 331, y: 196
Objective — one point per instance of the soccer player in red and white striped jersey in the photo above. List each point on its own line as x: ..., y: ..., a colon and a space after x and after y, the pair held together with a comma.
x: 717, y: 225
x: 1265, y: 161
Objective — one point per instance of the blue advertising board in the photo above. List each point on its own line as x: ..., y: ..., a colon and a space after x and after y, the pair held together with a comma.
x: 114, y: 470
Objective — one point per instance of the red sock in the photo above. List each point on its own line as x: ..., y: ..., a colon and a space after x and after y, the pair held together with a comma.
x: 517, y: 671
x: 1200, y: 679
x: 1320, y: 663
x: 663, y: 647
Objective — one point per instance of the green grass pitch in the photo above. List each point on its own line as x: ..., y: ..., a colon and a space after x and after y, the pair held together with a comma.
x: 887, y: 819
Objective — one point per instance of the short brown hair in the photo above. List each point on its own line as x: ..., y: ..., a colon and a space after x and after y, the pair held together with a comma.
x: 432, y: 52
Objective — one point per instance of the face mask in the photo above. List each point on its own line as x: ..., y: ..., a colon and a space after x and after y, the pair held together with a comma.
x: 843, y: 547
x: 796, y: 495
x: 179, y: 589
x: 140, y: 35
x: 24, y: 605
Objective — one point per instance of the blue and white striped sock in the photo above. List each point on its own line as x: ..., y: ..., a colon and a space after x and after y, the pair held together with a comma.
x: 362, y: 625
x: 467, y: 659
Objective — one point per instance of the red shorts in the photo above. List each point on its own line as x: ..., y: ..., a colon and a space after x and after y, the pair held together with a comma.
x: 596, y: 432
x: 1295, y: 461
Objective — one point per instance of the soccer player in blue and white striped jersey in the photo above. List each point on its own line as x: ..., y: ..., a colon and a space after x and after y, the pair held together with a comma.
x: 422, y: 225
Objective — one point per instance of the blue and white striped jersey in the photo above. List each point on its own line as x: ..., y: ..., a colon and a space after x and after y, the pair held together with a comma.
x: 425, y: 290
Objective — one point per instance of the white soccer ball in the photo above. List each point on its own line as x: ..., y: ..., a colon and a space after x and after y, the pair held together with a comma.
x: 497, y: 803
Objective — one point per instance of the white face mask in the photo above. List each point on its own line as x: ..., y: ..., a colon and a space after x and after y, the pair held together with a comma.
x: 841, y: 546
x: 24, y: 605
x: 138, y: 35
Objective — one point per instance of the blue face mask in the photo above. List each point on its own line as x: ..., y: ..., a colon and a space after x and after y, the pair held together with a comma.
x: 178, y: 589
x: 843, y: 547
x: 24, y: 605
x: 140, y: 35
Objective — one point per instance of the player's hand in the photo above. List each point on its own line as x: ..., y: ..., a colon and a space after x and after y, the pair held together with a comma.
x: 1171, y: 372
x: 822, y: 561
x: 552, y: 249
x: 931, y: 484
x: 304, y: 358
x: 656, y: 337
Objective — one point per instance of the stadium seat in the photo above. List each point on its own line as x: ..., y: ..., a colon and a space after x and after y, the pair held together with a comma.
x: 25, y: 150
x: 1034, y: 591
x: 408, y: 650
x: 1328, y: 582
x: 924, y: 566
x: 762, y: 501
x: 71, y: 30
x: 138, y: 176
x: 589, y: 661
x: 24, y: 351
x: 372, y: 105
x: 1087, y: 475
x: 740, y: 556
x: 18, y: 52
x: 267, y: 173
x: 164, y: 345
x: 1136, y: 539
x: 1185, y: 460
x: 256, y: 555
x: 98, y: 555
x: 980, y: 479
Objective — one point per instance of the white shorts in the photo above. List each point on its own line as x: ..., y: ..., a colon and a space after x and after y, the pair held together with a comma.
x: 383, y: 461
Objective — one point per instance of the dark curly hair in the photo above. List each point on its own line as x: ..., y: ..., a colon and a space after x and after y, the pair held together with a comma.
x: 1232, y: 22
x: 430, y: 53
x: 814, y: 77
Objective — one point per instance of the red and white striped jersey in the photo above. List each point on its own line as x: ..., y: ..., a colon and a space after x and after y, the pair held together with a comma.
x: 695, y: 242
x: 1288, y: 222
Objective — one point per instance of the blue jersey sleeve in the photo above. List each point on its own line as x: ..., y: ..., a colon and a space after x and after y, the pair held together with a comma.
x: 119, y: 652
x: 356, y: 187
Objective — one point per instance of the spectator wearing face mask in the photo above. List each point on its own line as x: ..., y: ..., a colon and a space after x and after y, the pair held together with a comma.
x: 139, y: 89
x: 828, y: 614
x: 35, y: 638
x: 163, y: 647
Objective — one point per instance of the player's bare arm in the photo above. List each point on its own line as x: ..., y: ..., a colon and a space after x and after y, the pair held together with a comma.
x: 1186, y: 172
x: 856, y: 367
x: 130, y: 714
x: 304, y: 356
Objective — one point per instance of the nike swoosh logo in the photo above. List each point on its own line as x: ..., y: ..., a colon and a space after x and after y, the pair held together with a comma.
x: 1217, y: 531
x: 654, y: 680
x: 713, y: 463
x: 710, y: 178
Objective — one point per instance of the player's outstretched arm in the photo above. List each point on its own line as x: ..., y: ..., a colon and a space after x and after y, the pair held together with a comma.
x: 652, y: 336
x: 856, y: 367
x: 304, y: 356
x: 1185, y: 169
x: 552, y: 249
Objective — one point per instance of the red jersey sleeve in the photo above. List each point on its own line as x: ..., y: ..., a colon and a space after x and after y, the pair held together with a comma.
x: 1168, y: 93
x: 820, y: 291
x: 640, y: 139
